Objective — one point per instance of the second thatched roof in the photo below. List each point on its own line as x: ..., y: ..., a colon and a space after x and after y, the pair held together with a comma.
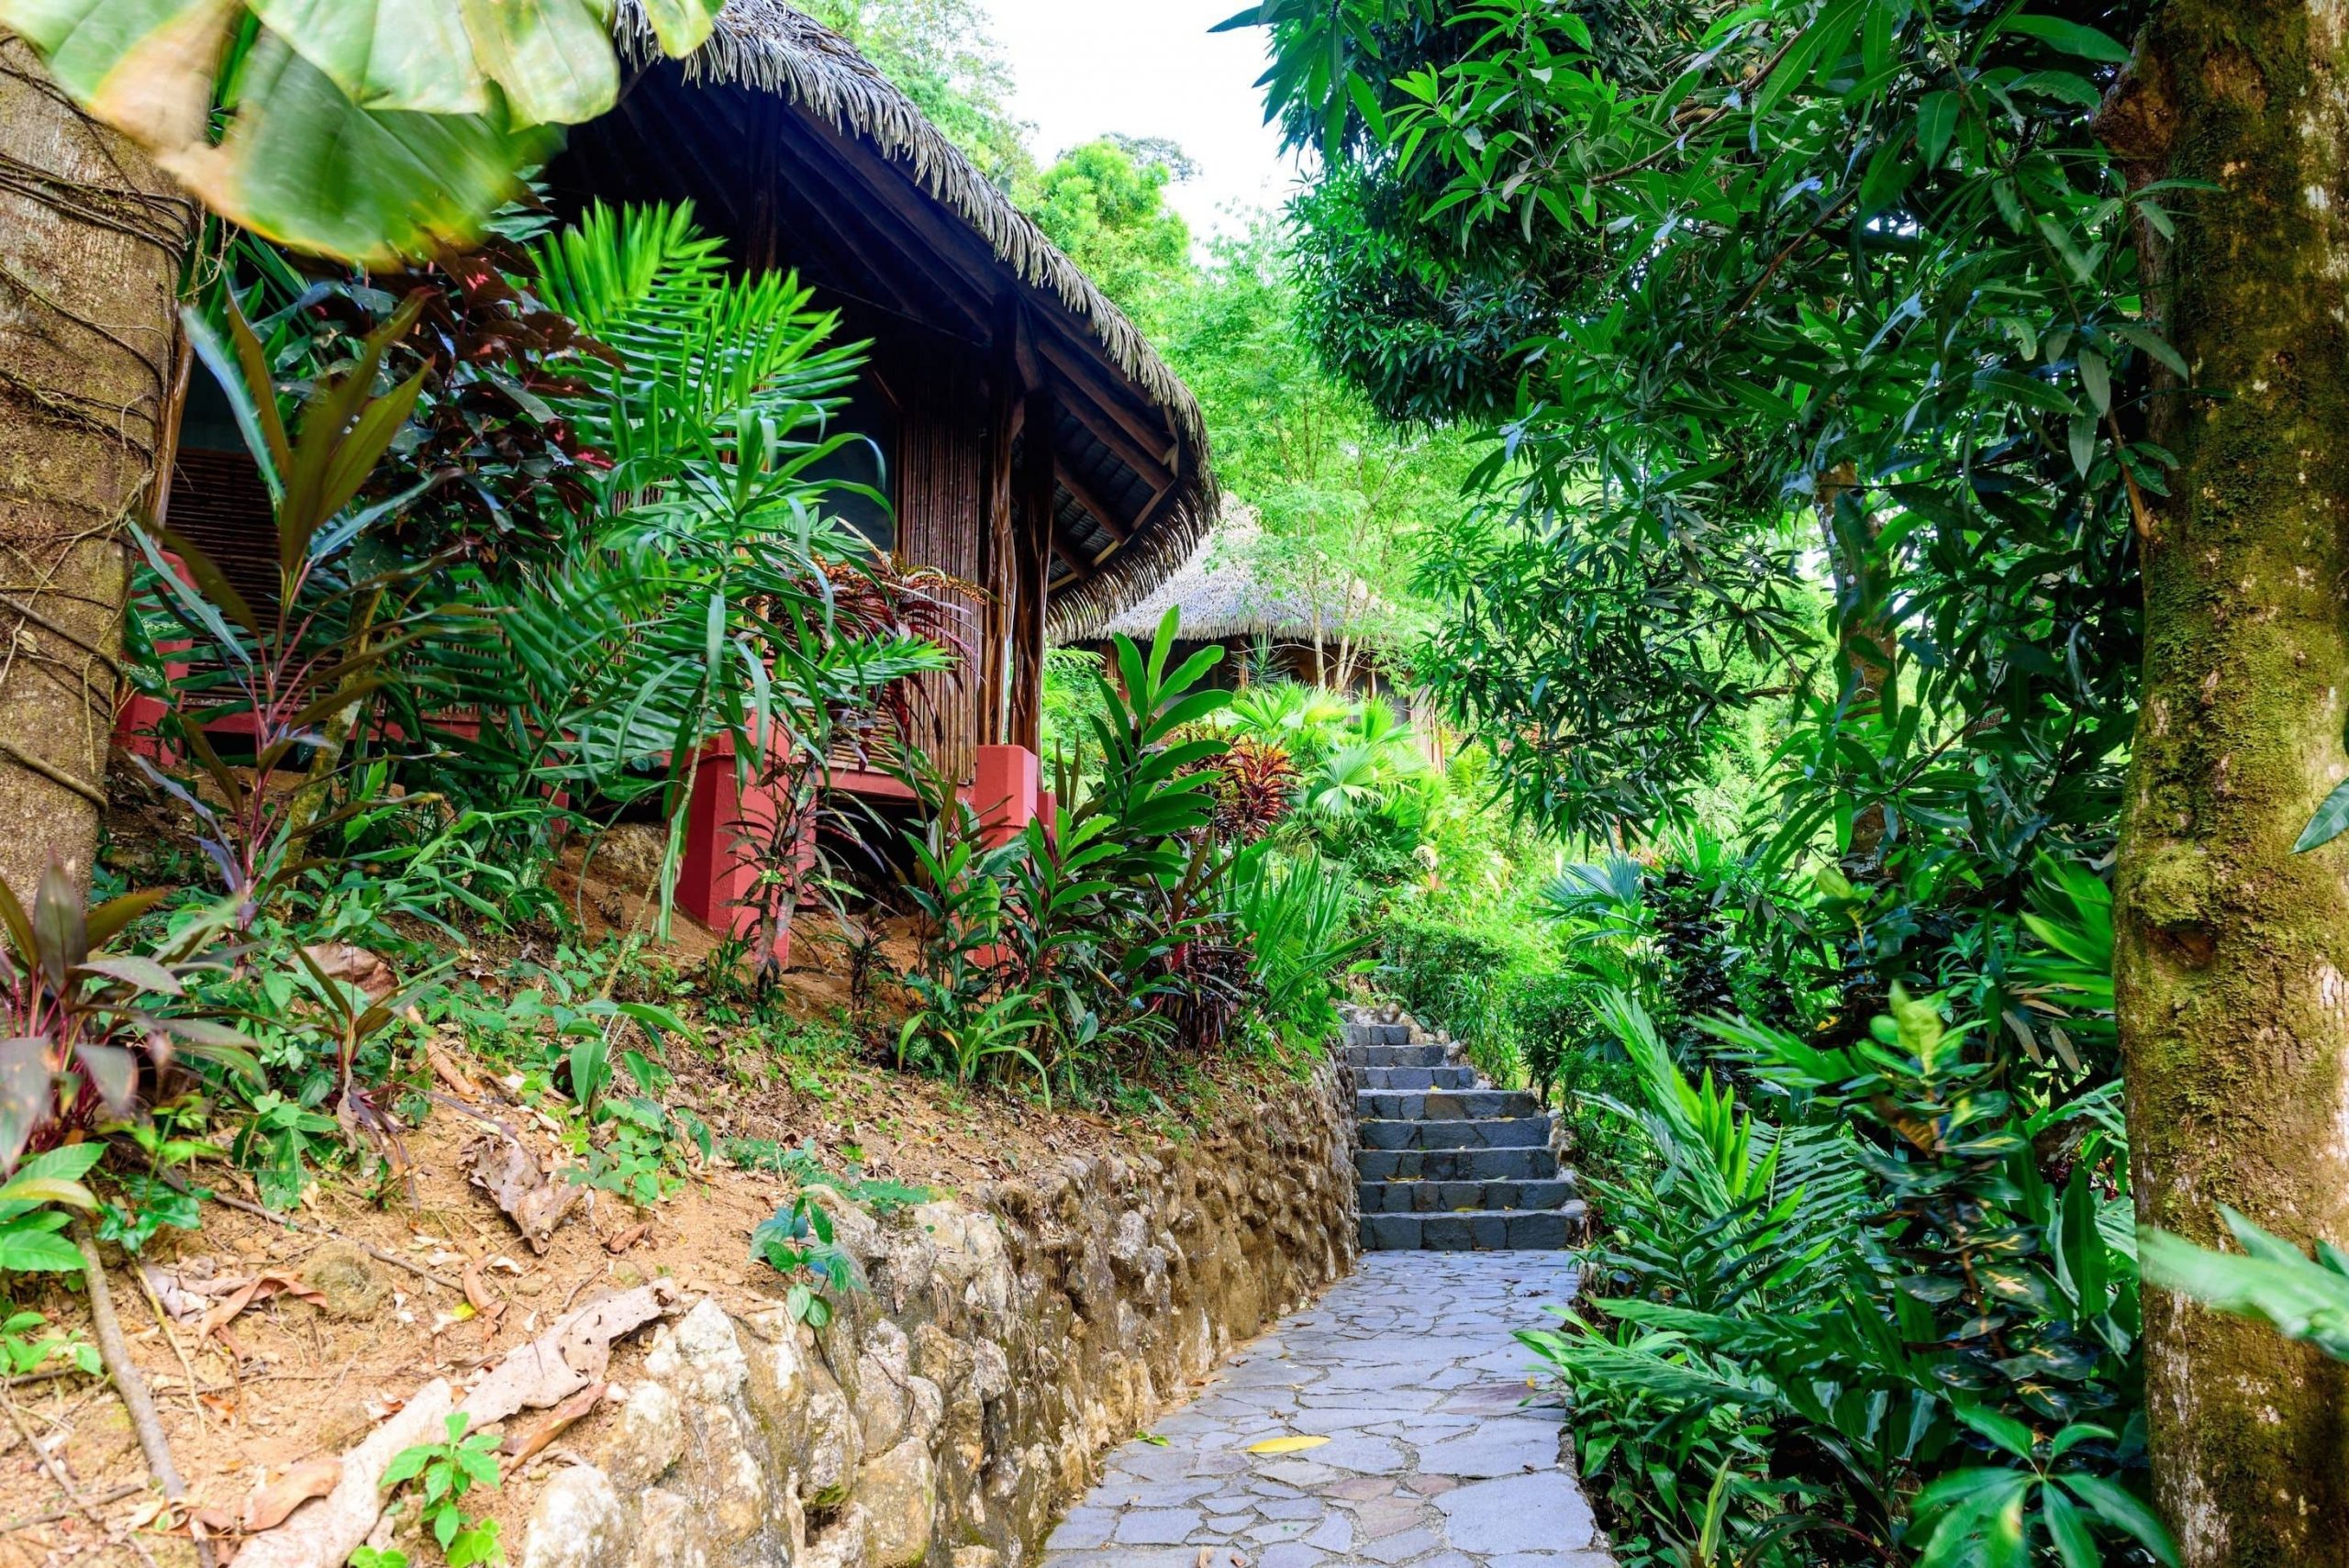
x: 1222, y: 599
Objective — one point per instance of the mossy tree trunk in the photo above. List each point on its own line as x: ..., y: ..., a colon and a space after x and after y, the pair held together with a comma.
x: 91, y: 243
x: 2232, y: 962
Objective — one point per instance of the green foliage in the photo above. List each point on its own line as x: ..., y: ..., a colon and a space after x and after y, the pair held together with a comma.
x: 940, y: 54
x: 1086, y: 941
x: 798, y: 1241
x: 443, y: 1474
x: 1107, y: 210
x: 82, y: 1015
x: 32, y: 1209
x: 1297, y: 916
x: 1911, y: 334
x: 1344, y: 502
x: 22, y: 1352
x: 2270, y: 1279
x: 332, y: 111
x: 1461, y: 978
x: 1897, y: 1308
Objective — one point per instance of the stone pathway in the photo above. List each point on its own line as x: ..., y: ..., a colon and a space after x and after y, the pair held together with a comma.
x: 1433, y: 1460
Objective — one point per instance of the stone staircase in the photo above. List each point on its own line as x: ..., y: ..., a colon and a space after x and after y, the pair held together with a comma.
x: 1448, y: 1164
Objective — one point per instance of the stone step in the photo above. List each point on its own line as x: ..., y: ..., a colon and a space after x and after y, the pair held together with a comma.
x: 1418, y: 1077
x: 1378, y: 1034
x: 1513, y: 1229
x: 1428, y: 1055
x: 1505, y: 1133
x: 1516, y: 1164
x: 1443, y: 1105
x: 1462, y: 1198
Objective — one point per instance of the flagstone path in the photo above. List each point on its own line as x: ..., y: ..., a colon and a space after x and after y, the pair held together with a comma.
x: 1433, y: 1459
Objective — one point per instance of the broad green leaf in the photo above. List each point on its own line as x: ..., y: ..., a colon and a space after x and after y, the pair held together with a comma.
x: 143, y: 66
x: 682, y: 25
x: 2118, y: 1507
x: 553, y: 57
x: 2331, y: 819
x: 1936, y: 123
x: 304, y: 165
x: 2072, y: 38
x: 386, y: 54
x: 132, y: 968
x: 27, y: 1250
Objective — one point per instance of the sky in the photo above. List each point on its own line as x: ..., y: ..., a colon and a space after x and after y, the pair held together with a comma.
x: 1086, y: 68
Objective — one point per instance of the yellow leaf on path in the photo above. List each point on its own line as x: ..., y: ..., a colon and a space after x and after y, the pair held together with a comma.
x: 1286, y: 1445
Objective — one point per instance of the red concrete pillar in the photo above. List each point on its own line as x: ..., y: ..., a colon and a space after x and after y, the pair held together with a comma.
x: 714, y: 881
x: 1004, y: 792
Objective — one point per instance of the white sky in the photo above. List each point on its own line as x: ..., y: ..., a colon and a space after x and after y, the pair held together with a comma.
x: 1086, y: 68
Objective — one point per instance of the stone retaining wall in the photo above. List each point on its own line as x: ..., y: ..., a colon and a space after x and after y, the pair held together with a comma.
x: 961, y: 1401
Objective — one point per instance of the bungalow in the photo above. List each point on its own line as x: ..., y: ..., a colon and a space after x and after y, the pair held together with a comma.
x: 1265, y: 631
x: 1036, y: 447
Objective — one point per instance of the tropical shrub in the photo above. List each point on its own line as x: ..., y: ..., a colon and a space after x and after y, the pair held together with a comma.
x: 84, y: 1023
x: 1298, y: 917
x: 1895, y: 1319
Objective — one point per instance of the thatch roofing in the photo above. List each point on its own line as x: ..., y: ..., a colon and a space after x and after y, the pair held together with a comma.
x: 1129, y: 511
x: 1220, y: 597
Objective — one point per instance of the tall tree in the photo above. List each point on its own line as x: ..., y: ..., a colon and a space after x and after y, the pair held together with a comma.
x: 93, y: 238
x: 1108, y: 209
x: 2232, y: 947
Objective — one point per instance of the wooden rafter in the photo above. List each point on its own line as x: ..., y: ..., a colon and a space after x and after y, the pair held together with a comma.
x: 1105, y: 408
x: 1073, y: 482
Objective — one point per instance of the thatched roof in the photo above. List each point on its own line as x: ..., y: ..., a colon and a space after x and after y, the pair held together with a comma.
x: 1220, y: 597
x: 1159, y: 504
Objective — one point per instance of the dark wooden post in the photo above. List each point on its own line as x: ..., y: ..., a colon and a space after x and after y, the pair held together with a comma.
x: 1032, y: 556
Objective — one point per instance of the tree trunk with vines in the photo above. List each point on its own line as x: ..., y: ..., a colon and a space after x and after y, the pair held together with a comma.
x: 2233, y: 954
x: 93, y: 239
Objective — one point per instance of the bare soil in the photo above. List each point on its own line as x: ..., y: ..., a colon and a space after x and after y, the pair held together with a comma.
x: 291, y: 1378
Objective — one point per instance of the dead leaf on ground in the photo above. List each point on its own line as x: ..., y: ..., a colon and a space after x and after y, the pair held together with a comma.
x: 535, y: 1202
x: 629, y: 1238
x: 522, y: 1447
x: 1287, y: 1445
x: 569, y: 1356
x: 478, y: 1295
x: 445, y: 1068
x: 269, y: 1504
x: 354, y: 966
x: 244, y: 1292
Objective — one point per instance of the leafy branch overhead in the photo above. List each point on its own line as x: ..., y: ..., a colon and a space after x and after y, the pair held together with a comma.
x: 365, y: 129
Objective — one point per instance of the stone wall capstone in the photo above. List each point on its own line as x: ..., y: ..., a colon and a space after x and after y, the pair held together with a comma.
x: 1001, y: 1344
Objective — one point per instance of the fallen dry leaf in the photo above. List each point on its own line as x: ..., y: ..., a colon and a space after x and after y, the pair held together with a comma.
x: 536, y: 1203
x: 1287, y: 1445
x: 445, y: 1068
x: 521, y: 1447
x: 477, y: 1295
x: 326, y: 1531
x: 244, y: 1292
x: 355, y: 966
x: 569, y: 1356
x: 268, y: 1506
x: 629, y: 1238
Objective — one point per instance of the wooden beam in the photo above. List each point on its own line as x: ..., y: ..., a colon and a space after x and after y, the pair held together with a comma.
x: 1156, y: 445
x: 948, y: 236
x: 1122, y: 446
x: 855, y: 199
x: 1032, y: 555
x: 1102, y: 513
